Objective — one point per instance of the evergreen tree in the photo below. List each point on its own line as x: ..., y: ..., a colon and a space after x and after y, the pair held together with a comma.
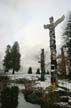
x: 9, y: 97
x: 15, y: 57
x: 7, y: 59
x: 38, y: 71
x: 30, y: 70
x: 67, y: 37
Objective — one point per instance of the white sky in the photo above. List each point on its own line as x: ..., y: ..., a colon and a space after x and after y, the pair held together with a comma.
x: 23, y: 20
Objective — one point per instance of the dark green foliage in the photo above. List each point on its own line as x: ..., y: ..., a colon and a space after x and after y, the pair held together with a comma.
x: 30, y: 70
x: 7, y: 59
x: 14, y: 96
x: 9, y: 97
x: 55, y: 97
x: 38, y: 71
x: 34, y: 98
x: 12, y: 58
x: 5, y: 98
x: 67, y: 43
x: 4, y: 78
x: 15, y: 57
x: 4, y: 82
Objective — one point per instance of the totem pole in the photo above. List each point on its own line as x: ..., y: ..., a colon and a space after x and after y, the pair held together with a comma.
x: 42, y: 64
x: 51, y: 28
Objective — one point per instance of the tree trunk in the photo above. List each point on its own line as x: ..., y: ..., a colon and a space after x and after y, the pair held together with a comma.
x: 42, y: 77
x: 13, y: 71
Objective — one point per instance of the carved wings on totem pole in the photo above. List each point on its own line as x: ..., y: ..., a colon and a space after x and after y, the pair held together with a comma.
x: 52, y: 23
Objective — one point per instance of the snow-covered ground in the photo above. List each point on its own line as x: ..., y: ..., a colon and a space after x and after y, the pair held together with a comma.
x: 46, y: 83
x: 43, y: 84
x: 22, y: 75
x: 24, y: 104
x: 65, y: 83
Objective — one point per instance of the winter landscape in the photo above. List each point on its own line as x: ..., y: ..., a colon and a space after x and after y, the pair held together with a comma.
x: 35, y: 54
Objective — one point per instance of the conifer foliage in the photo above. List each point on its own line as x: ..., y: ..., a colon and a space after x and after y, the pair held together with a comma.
x: 7, y: 59
x: 38, y: 71
x: 30, y: 70
x: 67, y: 38
x: 15, y: 57
x: 12, y: 58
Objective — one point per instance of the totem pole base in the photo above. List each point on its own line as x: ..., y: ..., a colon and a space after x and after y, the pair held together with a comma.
x: 54, y: 82
x: 54, y: 85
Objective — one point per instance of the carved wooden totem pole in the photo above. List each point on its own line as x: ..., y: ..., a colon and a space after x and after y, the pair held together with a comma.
x: 51, y: 28
x: 42, y: 65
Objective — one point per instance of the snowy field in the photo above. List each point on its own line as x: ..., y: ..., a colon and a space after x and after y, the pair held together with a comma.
x: 46, y: 83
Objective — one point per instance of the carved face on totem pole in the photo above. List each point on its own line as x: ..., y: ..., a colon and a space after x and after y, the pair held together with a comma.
x: 51, y: 19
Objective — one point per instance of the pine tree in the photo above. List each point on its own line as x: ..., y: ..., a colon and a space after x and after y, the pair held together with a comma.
x: 67, y: 37
x: 30, y: 70
x: 38, y: 71
x: 15, y: 57
x: 7, y: 59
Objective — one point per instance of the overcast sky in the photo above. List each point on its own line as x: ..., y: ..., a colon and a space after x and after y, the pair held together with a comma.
x: 23, y: 20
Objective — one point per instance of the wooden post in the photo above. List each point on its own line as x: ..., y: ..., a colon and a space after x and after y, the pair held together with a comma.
x: 42, y: 63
